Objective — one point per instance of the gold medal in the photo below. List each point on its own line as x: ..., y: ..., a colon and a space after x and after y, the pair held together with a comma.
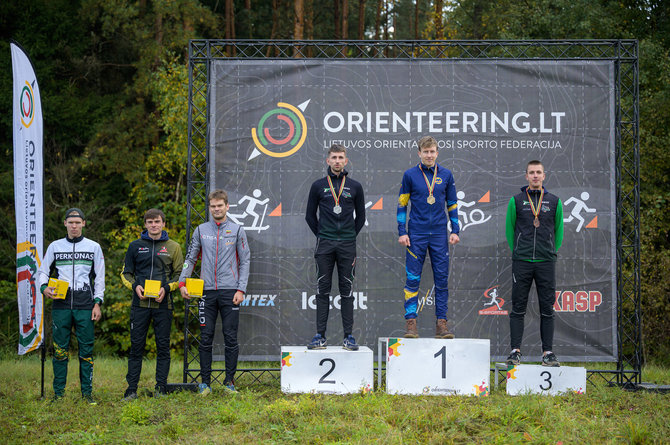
x: 430, y: 185
x: 536, y: 222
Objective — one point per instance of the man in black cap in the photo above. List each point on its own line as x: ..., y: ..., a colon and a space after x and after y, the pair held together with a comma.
x: 78, y: 261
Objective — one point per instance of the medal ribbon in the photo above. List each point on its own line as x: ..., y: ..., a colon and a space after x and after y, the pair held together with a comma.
x: 535, y: 210
x: 332, y: 189
x: 430, y: 186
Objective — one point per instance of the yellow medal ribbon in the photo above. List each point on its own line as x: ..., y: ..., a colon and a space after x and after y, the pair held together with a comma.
x: 336, y: 197
x: 431, y: 186
x: 535, y: 209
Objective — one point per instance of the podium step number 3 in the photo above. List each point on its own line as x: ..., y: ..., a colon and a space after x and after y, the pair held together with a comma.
x: 437, y: 367
x: 333, y: 370
x: 537, y: 379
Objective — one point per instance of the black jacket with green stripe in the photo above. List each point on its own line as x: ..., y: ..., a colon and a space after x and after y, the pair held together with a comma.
x: 530, y: 243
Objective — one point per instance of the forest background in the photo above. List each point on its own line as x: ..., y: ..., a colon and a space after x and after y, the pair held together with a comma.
x: 114, y: 81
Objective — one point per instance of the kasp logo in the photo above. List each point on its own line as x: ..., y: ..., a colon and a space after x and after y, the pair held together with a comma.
x: 289, y: 142
x: 496, y: 303
x: 27, y: 105
x: 579, y: 301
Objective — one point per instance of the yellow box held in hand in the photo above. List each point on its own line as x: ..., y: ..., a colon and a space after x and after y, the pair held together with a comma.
x: 60, y: 288
x: 151, y: 288
x: 195, y: 287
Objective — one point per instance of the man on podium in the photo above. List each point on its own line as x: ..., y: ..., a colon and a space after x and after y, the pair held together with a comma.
x: 534, y: 232
x: 429, y: 187
x: 336, y: 197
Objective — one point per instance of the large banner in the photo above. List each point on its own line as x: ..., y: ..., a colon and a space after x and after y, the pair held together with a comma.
x: 273, y: 121
x: 27, y: 122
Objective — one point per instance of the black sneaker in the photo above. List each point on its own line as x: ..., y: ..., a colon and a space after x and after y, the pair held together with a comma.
x: 88, y: 398
x: 514, y: 358
x: 129, y: 395
x: 550, y: 360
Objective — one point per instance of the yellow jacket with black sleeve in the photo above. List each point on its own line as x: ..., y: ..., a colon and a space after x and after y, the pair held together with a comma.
x: 149, y: 259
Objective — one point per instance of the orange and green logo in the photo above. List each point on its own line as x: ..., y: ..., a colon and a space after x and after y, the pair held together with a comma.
x: 394, y: 344
x: 292, y: 128
x: 28, y: 261
x: 481, y: 390
x: 27, y: 105
x: 511, y: 371
x: 285, y: 357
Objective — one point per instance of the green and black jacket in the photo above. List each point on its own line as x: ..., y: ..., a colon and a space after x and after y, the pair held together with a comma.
x: 530, y: 243
x: 148, y: 259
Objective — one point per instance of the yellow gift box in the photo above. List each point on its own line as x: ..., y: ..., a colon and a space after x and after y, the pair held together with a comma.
x: 151, y: 288
x: 60, y: 288
x: 195, y: 287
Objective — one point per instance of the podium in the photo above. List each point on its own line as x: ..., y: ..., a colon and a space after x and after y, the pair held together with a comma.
x: 548, y: 380
x: 431, y: 366
x: 333, y: 370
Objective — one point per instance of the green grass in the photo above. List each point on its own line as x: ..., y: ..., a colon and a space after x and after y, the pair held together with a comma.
x: 262, y: 414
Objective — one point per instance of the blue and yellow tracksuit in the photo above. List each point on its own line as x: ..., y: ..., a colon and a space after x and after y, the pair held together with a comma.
x: 427, y: 232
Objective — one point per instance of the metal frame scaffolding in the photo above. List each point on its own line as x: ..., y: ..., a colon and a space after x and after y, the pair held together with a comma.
x: 624, y: 54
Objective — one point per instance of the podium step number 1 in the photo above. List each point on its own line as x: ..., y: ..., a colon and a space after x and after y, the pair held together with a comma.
x: 537, y: 379
x: 437, y: 367
x: 333, y: 370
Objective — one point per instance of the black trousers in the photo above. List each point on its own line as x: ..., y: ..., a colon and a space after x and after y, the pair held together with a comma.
x: 140, y: 319
x: 213, y: 303
x: 523, y: 275
x: 327, y: 254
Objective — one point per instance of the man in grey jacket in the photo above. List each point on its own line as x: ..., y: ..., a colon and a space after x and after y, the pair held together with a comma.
x: 224, y: 267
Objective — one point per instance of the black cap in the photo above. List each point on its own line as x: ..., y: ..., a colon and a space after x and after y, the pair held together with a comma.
x: 74, y: 213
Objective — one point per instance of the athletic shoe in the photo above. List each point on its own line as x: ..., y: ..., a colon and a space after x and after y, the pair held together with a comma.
x: 514, y: 358
x: 129, y: 395
x: 410, y: 328
x: 159, y: 391
x: 88, y: 399
x: 204, y: 389
x: 349, y: 343
x: 318, y: 342
x: 57, y: 398
x: 550, y: 359
x: 229, y: 387
x: 441, y: 330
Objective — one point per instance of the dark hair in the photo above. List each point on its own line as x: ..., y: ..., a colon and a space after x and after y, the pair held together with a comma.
x: 427, y: 141
x: 153, y: 214
x: 218, y: 194
x: 337, y: 148
x: 533, y: 162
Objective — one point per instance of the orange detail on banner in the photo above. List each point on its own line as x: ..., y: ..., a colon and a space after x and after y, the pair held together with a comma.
x: 276, y: 211
x: 593, y: 224
x: 379, y: 205
x: 486, y: 197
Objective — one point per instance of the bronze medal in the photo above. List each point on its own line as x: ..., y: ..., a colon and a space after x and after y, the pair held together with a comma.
x: 536, y: 222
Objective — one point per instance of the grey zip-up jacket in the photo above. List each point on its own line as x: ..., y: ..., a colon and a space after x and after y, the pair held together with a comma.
x: 224, y: 253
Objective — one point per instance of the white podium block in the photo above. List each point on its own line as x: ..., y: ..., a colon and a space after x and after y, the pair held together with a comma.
x: 538, y: 379
x: 438, y: 367
x: 333, y: 370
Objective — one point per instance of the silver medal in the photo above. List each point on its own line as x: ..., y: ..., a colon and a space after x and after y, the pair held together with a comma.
x: 337, y: 210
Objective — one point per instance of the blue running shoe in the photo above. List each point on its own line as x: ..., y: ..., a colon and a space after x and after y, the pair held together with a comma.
x: 229, y: 387
x: 349, y: 343
x: 318, y: 342
x: 204, y: 389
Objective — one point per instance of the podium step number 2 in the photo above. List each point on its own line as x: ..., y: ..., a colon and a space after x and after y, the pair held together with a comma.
x: 333, y: 370
x: 437, y: 367
x: 537, y: 379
